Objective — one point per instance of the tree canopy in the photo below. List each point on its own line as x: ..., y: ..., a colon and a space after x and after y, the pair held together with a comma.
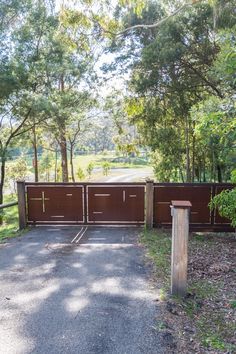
x: 176, y: 61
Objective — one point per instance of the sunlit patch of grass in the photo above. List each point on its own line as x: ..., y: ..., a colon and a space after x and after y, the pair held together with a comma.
x: 83, y: 161
x: 198, y: 237
x: 158, y: 244
x: 213, y: 331
x: 9, y: 228
x: 232, y: 304
x: 203, y: 289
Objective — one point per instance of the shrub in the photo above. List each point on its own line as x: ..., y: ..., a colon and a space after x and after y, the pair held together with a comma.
x: 106, y: 166
x: 80, y: 174
x: 89, y: 169
x: 225, y: 202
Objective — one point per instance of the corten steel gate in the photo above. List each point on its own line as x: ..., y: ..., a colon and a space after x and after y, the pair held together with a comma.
x: 85, y: 203
x: 55, y: 203
x: 121, y: 203
x: 116, y: 204
x: 199, y: 195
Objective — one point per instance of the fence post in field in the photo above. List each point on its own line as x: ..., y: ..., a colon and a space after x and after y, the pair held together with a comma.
x: 149, y: 204
x: 21, y: 204
x: 180, y: 211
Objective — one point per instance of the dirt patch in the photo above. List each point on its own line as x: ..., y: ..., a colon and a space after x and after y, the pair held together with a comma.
x: 205, y: 321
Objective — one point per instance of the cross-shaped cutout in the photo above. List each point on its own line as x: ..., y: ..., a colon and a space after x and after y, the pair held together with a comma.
x: 43, y: 200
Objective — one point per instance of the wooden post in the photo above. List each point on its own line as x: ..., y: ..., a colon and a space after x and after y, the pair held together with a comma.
x: 21, y: 204
x: 180, y: 211
x: 149, y: 204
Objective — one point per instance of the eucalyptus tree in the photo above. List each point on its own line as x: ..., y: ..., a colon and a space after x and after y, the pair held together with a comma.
x: 21, y: 85
x: 77, y: 125
x: 69, y: 72
x: 215, y: 118
x: 170, y: 75
x: 46, y: 63
x: 32, y: 43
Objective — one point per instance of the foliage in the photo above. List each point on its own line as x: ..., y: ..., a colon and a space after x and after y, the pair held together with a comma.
x: 126, y: 138
x: 16, y: 170
x: 90, y: 169
x: 80, y: 174
x: 46, y: 164
x: 225, y: 202
x: 225, y: 64
x: 159, y: 250
x: 215, y: 129
x: 179, y: 101
x: 106, y: 166
x: 176, y: 70
x: 10, y: 225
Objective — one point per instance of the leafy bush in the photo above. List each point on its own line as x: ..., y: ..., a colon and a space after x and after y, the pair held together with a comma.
x: 106, y: 166
x: 225, y: 202
x: 80, y: 174
x: 15, y: 171
x: 90, y: 169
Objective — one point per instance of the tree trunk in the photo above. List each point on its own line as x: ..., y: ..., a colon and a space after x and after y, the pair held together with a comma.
x: 63, y: 142
x: 193, y: 157
x: 213, y: 166
x: 36, y: 173
x: 181, y: 175
x: 55, y: 171
x: 219, y: 174
x: 71, y: 164
x: 204, y: 168
x: 64, y: 162
x: 187, y: 149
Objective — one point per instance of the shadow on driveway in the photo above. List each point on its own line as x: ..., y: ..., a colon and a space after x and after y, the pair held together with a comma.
x: 58, y: 295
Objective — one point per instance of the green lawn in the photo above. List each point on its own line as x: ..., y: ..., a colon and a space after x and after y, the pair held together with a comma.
x: 10, y: 221
x: 114, y: 162
x: 82, y: 161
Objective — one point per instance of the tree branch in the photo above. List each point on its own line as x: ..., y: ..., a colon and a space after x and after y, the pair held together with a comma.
x: 204, y: 79
x: 154, y: 25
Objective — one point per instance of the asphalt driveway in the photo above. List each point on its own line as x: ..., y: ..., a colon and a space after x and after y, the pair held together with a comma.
x: 76, y: 290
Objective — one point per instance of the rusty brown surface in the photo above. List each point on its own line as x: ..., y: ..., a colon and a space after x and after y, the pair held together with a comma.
x: 55, y: 204
x: 199, y: 197
x: 115, y: 204
x: 120, y: 203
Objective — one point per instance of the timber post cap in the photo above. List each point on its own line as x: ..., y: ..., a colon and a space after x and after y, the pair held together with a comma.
x: 181, y: 204
x: 149, y: 180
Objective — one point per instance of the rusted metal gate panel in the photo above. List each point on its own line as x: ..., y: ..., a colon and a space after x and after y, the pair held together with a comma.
x: 120, y: 203
x: 115, y: 204
x: 55, y: 204
x: 198, y: 195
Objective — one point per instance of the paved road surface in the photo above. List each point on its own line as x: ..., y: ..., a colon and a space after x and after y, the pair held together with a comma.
x: 65, y: 294
x: 131, y: 175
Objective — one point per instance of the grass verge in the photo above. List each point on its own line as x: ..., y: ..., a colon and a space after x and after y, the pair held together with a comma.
x: 9, y: 228
x: 203, y: 322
